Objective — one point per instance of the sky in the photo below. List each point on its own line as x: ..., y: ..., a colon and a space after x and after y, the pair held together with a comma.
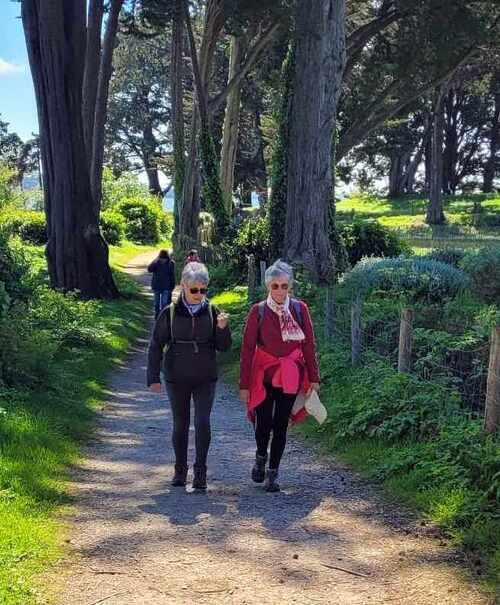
x: 17, y: 98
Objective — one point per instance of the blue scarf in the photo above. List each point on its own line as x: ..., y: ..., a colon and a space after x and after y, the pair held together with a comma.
x: 196, y: 308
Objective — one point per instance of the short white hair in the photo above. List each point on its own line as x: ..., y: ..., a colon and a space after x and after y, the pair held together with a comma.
x: 195, y: 273
x: 278, y: 269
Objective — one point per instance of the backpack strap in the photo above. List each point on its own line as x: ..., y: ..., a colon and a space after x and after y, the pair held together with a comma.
x: 211, y: 312
x: 294, y: 304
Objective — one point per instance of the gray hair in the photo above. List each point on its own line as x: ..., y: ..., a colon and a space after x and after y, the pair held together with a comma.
x: 278, y: 269
x: 195, y: 273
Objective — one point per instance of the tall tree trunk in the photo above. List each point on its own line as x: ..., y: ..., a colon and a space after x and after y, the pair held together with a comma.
x: 91, y: 73
x: 188, y: 217
x: 76, y: 253
x: 276, y: 212
x: 177, y: 94
x: 435, y: 214
x: 490, y: 168
x: 399, y: 163
x: 409, y: 181
x: 149, y: 156
x: 212, y: 192
x: 231, y: 125
x: 101, y: 106
x: 320, y: 62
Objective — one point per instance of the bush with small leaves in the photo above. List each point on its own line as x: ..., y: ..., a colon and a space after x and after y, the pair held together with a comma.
x: 370, y: 238
x: 484, y: 268
x: 414, y: 279
x: 113, y: 226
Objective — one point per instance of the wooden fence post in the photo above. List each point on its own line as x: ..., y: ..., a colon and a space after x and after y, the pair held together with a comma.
x: 252, y: 277
x: 356, y: 331
x: 262, y: 272
x: 492, y: 407
x: 329, y: 312
x: 405, y: 340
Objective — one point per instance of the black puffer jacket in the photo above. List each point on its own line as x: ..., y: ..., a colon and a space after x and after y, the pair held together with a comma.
x: 163, y: 270
x: 191, y: 355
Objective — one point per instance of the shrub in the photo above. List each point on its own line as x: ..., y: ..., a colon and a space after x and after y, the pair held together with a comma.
x: 143, y: 220
x: 484, y: 268
x: 70, y: 321
x: 370, y: 238
x: 112, y: 226
x: 14, y: 268
x: 125, y: 187
x: 451, y: 256
x: 29, y: 225
x: 412, y: 278
x: 33, y: 228
x: 252, y: 238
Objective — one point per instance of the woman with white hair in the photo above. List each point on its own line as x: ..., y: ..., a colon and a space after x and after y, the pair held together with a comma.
x: 192, y: 331
x: 278, y: 360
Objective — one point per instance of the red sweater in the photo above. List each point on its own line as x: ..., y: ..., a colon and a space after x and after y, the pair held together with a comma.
x: 268, y: 337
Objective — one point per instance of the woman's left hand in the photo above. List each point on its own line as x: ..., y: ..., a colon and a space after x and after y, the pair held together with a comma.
x: 314, y: 386
x: 222, y: 320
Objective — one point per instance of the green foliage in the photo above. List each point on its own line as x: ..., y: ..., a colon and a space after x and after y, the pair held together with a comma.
x: 29, y: 225
x: 484, y: 268
x: 370, y: 238
x: 126, y: 186
x: 279, y: 169
x: 414, y: 279
x: 451, y: 256
x: 7, y: 176
x: 143, y: 220
x: 113, y: 226
x: 14, y: 268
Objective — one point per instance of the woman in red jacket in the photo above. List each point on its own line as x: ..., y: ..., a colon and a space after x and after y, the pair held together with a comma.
x: 278, y: 360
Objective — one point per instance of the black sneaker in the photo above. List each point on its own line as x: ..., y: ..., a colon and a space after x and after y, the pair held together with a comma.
x: 259, y: 469
x: 271, y: 484
x: 200, y: 477
x: 180, y: 476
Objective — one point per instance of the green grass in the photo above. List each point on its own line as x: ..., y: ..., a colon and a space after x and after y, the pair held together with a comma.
x: 40, y: 436
x: 120, y: 255
x: 407, y: 215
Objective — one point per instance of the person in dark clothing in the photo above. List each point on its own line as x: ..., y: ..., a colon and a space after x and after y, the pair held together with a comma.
x: 163, y: 280
x: 192, y: 331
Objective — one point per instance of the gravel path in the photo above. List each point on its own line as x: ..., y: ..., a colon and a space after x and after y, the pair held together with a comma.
x: 327, y: 538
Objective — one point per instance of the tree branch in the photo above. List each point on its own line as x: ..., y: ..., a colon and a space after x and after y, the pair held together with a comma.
x: 249, y: 62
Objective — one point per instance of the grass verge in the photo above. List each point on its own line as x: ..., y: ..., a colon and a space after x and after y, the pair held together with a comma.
x: 41, y: 432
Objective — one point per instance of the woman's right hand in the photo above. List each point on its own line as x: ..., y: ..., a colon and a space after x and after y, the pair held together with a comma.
x: 156, y: 387
x: 244, y: 395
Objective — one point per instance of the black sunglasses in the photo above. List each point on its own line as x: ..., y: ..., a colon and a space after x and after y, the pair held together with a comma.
x: 198, y: 290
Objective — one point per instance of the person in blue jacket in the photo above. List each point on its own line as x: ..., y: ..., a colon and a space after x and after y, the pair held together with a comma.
x: 163, y: 280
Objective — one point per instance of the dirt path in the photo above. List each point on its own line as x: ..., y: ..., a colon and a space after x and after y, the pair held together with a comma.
x: 327, y: 538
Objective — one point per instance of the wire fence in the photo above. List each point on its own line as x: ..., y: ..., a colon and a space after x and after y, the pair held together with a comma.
x: 472, y: 374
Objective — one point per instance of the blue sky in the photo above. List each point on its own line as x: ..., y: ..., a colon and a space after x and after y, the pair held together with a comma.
x: 17, y: 98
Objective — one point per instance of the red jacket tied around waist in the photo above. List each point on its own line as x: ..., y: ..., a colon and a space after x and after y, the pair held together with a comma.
x: 266, y: 358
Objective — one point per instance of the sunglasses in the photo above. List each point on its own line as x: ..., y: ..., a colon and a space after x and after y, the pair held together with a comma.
x: 279, y: 286
x: 198, y: 290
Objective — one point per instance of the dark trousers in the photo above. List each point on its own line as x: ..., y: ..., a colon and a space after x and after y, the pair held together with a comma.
x: 180, y: 395
x: 272, y: 415
x: 162, y: 299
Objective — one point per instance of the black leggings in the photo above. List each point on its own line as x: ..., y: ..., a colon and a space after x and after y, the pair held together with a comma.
x: 180, y: 400
x: 273, y: 415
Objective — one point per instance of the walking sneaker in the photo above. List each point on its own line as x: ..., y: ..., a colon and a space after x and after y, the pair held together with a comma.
x: 199, y: 477
x: 180, y: 476
x: 259, y: 469
x: 271, y: 484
